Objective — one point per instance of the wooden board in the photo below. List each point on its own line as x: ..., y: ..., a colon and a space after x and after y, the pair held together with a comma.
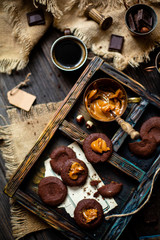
x: 135, y: 178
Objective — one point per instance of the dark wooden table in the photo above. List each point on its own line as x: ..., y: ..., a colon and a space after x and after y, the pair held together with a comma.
x: 49, y: 84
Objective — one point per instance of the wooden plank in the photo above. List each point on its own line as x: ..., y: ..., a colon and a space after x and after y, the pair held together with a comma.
x: 52, y: 126
x: 137, y: 199
x: 117, y: 161
x: 53, y: 218
x: 131, y: 83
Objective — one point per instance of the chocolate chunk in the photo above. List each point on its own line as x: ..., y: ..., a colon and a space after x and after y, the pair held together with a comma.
x: 110, y: 190
x: 144, y: 18
x: 116, y: 43
x: 131, y: 22
x: 137, y: 23
x: 94, y: 183
x: 35, y: 18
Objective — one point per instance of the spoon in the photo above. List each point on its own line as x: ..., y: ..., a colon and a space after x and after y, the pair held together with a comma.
x: 124, y: 125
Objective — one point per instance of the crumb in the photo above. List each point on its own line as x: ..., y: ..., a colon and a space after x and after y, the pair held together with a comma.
x: 96, y: 194
x: 94, y: 182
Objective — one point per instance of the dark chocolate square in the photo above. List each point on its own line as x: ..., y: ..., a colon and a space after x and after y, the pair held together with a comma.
x: 35, y: 18
x: 116, y: 43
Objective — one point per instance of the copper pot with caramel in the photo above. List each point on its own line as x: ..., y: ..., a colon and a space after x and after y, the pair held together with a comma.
x: 106, y: 100
x: 103, y: 97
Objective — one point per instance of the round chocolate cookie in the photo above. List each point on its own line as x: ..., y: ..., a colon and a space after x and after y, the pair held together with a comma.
x: 93, y: 156
x: 144, y: 148
x: 52, y: 191
x: 152, y: 128
x: 88, y: 213
x: 59, y: 156
x: 74, y: 172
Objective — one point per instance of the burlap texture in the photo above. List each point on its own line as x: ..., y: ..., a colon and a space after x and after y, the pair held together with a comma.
x: 19, y: 137
x: 18, y: 39
x: 135, y: 50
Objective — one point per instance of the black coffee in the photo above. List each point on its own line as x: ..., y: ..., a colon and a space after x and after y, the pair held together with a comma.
x: 68, y: 53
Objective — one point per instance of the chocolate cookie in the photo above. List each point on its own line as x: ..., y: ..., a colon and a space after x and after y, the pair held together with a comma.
x: 52, y: 191
x: 110, y: 190
x: 152, y: 128
x: 59, y: 156
x: 93, y: 156
x: 74, y: 172
x: 88, y: 213
x: 144, y: 148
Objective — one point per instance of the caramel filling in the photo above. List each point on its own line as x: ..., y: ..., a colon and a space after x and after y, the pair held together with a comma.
x: 75, y: 169
x: 90, y: 215
x: 99, y: 146
x: 100, y: 103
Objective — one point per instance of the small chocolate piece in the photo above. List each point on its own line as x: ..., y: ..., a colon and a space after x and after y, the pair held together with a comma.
x: 35, y: 18
x: 110, y: 190
x: 52, y: 191
x: 87, y: 205
x: 138, y: 26
x: 116, y: 43
x: 94, y: 183
x: 144, y: 18
x: 131, y: 22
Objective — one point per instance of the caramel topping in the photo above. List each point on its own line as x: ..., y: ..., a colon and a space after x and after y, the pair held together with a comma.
x: 99, y: 146
x: 92, y: 93
x: 90, y: 214
x: 100, y: 103
x: 75, y: 169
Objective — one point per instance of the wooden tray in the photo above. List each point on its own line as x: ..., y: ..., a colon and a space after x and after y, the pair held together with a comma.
x: 135, y: 174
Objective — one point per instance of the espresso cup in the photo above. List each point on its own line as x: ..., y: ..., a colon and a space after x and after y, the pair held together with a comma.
x: 68, y: 53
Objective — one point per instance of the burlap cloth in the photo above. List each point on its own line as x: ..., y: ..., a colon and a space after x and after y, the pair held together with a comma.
x: 18, y: 138
x: 18, y: 39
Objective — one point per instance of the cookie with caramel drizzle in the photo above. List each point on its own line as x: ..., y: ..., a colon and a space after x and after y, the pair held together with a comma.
x: 97, y: 147
x: 88, y: 213
x: 74, y: 172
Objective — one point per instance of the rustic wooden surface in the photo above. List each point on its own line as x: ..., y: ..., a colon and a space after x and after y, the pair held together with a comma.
x: 45, y: 79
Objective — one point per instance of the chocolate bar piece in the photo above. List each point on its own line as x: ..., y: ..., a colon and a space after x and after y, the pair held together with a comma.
x: 144, y: 18
x: 131, y: 22
x: 137, y: 23
x: 35, y: 18
x: 116, y: 43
